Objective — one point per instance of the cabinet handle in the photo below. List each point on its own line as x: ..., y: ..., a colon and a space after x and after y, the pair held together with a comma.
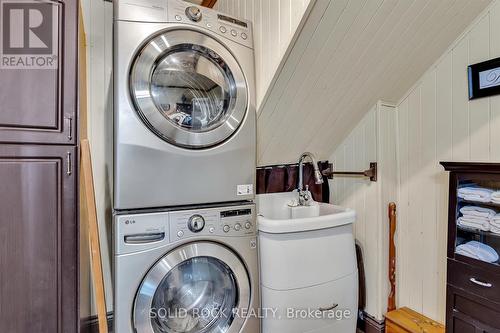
x: 69, y: 166
x: 70, y: 128
x: 329, y: 308
x: 480, y: 283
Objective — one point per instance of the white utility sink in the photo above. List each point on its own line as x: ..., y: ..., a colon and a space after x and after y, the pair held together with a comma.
x: 279, y: 213
x: 308, y: 261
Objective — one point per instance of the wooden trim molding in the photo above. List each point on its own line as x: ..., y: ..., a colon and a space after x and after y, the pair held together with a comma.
x: 391, y: 302
x: 209, y: 3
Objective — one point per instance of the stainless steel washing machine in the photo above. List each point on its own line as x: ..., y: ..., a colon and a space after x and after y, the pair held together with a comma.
x: 188, y: 271
x: 184, y: 105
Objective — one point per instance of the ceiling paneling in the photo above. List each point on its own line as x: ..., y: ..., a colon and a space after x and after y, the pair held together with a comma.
x: 348, y: 55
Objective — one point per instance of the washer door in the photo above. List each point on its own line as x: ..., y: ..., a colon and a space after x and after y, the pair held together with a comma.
x: 193, y: 289
x: 188, y: 89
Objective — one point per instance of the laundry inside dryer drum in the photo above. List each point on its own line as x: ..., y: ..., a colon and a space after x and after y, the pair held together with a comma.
x: 193, y: 88
x: 197, y: 296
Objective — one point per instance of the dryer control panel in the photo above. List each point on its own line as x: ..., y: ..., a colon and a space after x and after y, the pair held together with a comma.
x: 224, y: 25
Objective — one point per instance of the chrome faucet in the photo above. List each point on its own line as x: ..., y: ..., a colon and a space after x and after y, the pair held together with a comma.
x: 305, y: 197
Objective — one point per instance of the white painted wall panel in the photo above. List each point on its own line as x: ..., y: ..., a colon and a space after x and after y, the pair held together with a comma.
x: 98, y: 18
x: 275, y: 23
x: 373, y: 140
x: 437, y: 122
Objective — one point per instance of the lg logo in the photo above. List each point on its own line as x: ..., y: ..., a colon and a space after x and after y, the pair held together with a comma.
x: 29, y: 34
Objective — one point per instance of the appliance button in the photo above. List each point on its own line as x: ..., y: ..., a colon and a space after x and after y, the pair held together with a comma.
x: 178, y: 17
x: 209, y: 25
x: 211, y: 230
x: 180, y: 234
x: 248, y: 225
x: 234, y: 33
x: 237, y: 227
x: 223, y: 29
x: 244, y: 35
x: 226, y: 228
x: 196, y: 223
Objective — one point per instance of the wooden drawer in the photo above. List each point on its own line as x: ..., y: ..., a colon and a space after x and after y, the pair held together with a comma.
x: 474, y: 280
x: 471, y: 309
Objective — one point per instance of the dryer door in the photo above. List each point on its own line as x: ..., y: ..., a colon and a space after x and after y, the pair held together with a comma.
x: 188, y: 89
x: 195, y: 288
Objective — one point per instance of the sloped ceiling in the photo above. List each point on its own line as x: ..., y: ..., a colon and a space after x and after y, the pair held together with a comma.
x: 348, y: 55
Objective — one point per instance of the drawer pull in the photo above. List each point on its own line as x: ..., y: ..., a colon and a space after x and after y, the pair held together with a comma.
x: 480, y: 283
x: 329, y: 308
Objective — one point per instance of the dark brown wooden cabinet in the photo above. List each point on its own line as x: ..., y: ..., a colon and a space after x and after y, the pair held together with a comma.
x: 38, y: 248
x: 40, y: 105
x: 39, y: 240
x: 473, y: 281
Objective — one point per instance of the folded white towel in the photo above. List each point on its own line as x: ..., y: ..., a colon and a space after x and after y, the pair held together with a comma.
x: 495, y: 229
x: 478, y: 251
x: 475, y: 223
x: 472, y: 193
x: 495, y: 195
x: 477, y: 211
x: 495, y: 221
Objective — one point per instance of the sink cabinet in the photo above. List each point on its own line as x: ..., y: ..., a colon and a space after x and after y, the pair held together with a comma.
x: 308, y: 265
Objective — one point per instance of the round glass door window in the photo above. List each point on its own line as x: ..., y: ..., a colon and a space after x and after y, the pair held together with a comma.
x: 197, y: 288
x: 188, y: 89
x: 199, y: 295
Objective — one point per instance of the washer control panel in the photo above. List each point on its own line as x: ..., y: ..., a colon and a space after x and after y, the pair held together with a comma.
x: 234, y: 221
x: 139, y: 232
x: 235, y: 29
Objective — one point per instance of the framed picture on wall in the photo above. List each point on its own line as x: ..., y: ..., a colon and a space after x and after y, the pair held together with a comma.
x: 484, y: 79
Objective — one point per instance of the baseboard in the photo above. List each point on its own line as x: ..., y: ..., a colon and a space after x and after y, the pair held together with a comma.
x: 91, y: 324
x: 366, y: 323
x: 369, y: 324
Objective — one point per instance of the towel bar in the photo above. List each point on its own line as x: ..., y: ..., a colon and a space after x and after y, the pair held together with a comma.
x: 370, y: 173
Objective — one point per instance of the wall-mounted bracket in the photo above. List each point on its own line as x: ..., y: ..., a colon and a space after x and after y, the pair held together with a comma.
x: 370, y: 173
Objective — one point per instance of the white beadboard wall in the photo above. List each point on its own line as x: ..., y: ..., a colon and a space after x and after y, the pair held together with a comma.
x: 437, y: 122
x: 98, y: 20
x: 434, y: 122
x: 274, y: 23
x: 373, y: 140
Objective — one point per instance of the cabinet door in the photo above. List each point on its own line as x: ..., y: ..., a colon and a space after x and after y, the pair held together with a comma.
x: 38, y: 239
x: 38, y: 75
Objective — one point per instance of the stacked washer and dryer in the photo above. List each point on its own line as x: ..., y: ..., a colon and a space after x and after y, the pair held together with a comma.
x: 185, y: 241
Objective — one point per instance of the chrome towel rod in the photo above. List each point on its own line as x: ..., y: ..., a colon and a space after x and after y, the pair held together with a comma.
x: 370, y: 173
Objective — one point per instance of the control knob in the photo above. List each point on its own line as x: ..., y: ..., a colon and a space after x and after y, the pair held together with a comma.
x: 196, y: 223
x: 194, y: 13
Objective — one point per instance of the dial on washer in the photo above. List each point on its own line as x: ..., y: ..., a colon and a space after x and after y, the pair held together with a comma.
x: 196, y: 223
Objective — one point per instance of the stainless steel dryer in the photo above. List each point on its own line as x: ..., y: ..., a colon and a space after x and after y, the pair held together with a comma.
x: 184, y: 106
x: 192, y: 271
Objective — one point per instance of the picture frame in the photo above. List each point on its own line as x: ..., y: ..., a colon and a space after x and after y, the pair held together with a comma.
x: 484, y: 79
